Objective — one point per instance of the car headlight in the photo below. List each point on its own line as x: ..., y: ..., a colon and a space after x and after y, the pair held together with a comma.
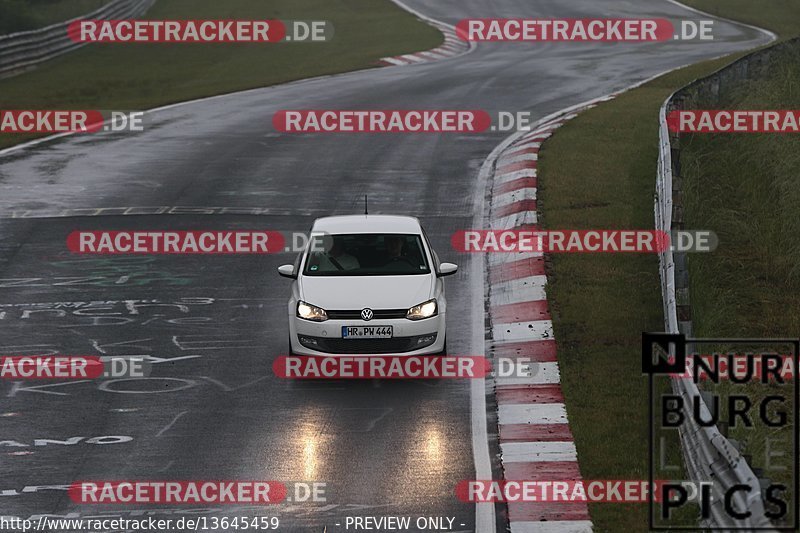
x: 311, y: 312
x: 423, y: 310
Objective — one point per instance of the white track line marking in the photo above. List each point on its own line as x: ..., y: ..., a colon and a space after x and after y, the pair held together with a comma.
x: 510, y: 158
x: 533, y: 374
x: 431, y: 54
x: 500, y: 258
x: 514, y: 221
x: 394, y: 61
x: 510, y: 176
x: 484, y: 512
x: 449, y: 46
x: 413, y: 58
x: 523, y: 146
x: 168, y: 426
x: 525, y: 193
x: 538, y: 452
x: 565, y: 118
x: 519, y: 367
x: 547, y: 128
x: 529, y: 372
x: 525, y: 289
x: 535, y: 330
x: 528, y: 142
x: 532, y: 413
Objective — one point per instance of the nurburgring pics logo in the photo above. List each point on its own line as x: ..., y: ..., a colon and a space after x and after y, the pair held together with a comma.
x: 704, y: 397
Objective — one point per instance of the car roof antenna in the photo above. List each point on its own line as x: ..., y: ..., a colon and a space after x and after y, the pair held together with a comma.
x: 365, y: 205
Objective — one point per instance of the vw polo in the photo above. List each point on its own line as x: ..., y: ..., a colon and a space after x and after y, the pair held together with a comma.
x: 367, y: 284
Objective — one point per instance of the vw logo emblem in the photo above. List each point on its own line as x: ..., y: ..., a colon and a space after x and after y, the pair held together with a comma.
x: 366, y: 313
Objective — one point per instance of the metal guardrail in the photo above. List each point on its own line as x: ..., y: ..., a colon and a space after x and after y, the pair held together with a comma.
x: 709, y: 456
x: 22, y: 50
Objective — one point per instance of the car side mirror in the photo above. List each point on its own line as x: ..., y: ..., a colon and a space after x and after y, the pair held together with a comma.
x: 447, y: 269
x: 287, y: 271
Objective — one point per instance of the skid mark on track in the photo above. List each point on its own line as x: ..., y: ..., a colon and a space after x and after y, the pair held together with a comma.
x: 172, y: 423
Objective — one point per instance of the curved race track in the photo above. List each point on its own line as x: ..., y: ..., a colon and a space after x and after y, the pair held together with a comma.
x: 216, y: 323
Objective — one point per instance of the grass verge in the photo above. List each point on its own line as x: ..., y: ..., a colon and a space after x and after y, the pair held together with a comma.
x: 599, y: 171
x: 132, y: 77
x: 745, y: 188
x: 779, y: 16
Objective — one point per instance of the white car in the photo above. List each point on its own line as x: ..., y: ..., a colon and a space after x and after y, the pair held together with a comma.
x: 367, y: 284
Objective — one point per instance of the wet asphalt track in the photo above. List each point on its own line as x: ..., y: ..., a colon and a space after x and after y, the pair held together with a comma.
x: 212, y: 409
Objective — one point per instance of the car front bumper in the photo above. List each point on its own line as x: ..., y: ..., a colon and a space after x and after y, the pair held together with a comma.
x: 410, y: 337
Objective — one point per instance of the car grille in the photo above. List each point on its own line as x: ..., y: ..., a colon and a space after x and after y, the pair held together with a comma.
x: 377, y: 314
x: 365, y: 346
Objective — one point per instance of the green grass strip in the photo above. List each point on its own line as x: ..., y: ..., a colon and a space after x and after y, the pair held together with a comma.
x: 142, y: 76
x: 599, y: 171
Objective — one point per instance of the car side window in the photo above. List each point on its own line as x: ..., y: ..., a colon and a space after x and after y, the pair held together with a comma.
x: 297, y: 262
x: 434, y: 255
x: 299, y: 258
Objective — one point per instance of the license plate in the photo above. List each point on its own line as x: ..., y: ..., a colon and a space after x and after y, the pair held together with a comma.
x: 366, y: 332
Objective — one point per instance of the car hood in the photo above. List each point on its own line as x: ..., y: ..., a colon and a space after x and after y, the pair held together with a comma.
x: 358, y: 292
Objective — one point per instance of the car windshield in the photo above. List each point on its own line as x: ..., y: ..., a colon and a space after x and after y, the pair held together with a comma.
x: 366, y: 254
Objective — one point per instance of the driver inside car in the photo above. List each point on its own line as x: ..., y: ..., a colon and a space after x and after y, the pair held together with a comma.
x: 336, y: 258
x: 397, y: 258
x: 394, y: 247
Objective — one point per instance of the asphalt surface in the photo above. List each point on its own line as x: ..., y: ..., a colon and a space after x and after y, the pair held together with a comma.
x: 212, y: 408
